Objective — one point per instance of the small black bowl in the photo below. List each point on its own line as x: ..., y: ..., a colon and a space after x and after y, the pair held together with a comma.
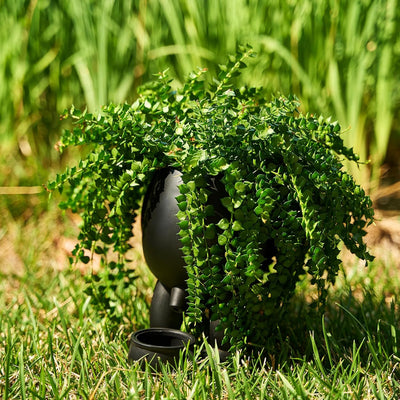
x: 159, y: 346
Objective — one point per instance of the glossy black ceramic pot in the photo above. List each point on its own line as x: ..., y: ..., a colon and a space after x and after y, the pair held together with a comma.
x: 161, y: 244
x: 161, y: 248
x: 159, y: 346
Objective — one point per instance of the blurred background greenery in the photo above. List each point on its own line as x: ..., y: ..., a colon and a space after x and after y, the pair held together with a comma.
x: 341, y: 58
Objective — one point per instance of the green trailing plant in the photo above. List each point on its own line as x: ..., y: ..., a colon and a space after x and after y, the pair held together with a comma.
x: 285, y: 185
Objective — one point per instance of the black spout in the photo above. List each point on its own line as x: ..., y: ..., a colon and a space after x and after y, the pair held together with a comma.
x: 161, y: 312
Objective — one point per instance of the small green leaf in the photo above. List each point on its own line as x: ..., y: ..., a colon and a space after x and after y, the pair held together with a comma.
x: 191, y: 186
x: 182, y: 205
x: 237, y: 226
x: 180, y: 198
x: 85, y: 259
x: 185, y: 240
x: 258, y: 210
x: 184, y: 189
x: 184, y: 224
x: 223, y: 224
x: 227, y: 203
x: 188, y: 260
x: 240, y: 187
x: 210, y: 232
x: 222, y: 239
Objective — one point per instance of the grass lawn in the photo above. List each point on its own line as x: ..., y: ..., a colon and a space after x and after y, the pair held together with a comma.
x: 54, y: 345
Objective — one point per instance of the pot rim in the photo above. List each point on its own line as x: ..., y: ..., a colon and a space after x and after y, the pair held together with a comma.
x: 187, y: 338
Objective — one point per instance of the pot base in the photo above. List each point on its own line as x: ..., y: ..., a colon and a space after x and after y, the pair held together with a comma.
x: 159, y: 346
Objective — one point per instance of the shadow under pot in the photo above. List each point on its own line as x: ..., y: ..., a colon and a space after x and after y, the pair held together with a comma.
x: 159, y: 346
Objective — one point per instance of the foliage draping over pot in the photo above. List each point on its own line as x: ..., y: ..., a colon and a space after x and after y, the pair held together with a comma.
x: 282, y: 172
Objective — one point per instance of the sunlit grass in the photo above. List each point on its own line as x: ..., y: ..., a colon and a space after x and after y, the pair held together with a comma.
x: 55, y: 344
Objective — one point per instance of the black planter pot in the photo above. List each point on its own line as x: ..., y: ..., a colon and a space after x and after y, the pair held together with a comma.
x: 159, y: 345
x: 161, y: 248
x: 161, y: 245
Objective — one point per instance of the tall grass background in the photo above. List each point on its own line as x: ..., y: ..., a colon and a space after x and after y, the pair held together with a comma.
x: 341, y: 58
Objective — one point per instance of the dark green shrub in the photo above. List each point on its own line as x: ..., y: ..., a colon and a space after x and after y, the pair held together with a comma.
x: 282, y: 172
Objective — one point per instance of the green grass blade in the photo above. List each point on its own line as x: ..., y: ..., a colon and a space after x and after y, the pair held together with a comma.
x: 22, y: 372
x: 327, y: 344
x: 7, y: 362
